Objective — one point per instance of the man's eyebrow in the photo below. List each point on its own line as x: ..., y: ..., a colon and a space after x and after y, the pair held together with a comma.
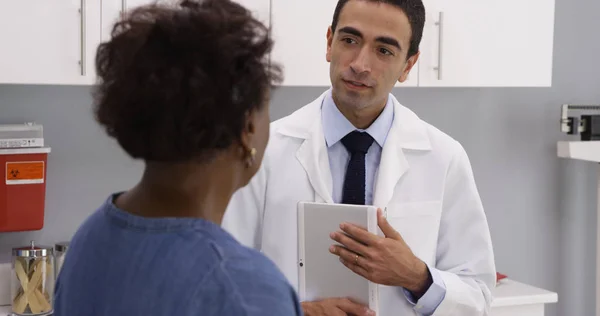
x: 389, y: 41
x: 382, y: 39
x: 350, y: 30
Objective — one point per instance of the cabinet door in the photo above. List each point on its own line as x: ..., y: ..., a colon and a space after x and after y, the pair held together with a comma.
x: 260, y: 8
x: 300, y: 33
x: 487, y: 43
x: 48, y: 41
x: 112, y: 9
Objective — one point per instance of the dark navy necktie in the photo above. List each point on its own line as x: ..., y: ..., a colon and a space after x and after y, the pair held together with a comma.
x: 357, y: 143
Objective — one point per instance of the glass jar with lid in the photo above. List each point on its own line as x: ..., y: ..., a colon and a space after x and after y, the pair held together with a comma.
x: 60, y: 251
x: 32, y: 280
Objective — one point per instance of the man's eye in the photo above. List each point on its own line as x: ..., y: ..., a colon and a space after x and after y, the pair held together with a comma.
x: 349, y: 40
x: 385, y: 51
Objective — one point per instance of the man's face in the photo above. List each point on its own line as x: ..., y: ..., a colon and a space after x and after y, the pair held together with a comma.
x: 367, y: 53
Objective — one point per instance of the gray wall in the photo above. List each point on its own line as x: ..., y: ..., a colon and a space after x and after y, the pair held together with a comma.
x: 540, y: 208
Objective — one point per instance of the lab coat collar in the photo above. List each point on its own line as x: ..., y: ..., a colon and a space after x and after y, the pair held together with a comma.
x: 410, y: 129
x: 336, y: 125
x: 407, y: 132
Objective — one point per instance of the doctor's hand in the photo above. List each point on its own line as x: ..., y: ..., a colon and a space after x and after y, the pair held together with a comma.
x: 335, y: 307
x: 384, y: 260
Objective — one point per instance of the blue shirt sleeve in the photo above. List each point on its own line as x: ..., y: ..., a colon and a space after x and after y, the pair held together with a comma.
x: 434, y: 296
x: 260, y: 289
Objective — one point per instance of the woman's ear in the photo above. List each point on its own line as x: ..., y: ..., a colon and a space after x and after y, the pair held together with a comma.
x: 248, y: 150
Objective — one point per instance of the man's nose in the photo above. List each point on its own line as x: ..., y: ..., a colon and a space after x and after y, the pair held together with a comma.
x: 361, y: 64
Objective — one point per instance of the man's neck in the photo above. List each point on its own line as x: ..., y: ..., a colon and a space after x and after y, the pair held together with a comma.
x: 361, y: 118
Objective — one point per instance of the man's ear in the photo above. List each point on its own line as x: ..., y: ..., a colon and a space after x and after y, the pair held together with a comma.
x: 412, y: 60
x: 329, y: 41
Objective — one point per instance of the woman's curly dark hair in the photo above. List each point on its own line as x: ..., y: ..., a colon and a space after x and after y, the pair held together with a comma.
x: 176, y: 82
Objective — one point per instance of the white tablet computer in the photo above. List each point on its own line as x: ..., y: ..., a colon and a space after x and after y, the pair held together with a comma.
x: 322, y: 275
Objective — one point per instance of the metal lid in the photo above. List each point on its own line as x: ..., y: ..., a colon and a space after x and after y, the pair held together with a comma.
x: 33, y: 251
x: 62, y: 246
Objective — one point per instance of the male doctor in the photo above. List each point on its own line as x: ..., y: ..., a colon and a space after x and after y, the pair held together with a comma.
x: 357, y: 144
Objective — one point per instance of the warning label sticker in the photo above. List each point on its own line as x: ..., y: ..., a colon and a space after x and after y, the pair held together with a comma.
x: 25, y: 172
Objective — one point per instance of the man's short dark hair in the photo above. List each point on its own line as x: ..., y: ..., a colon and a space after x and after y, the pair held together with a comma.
x: 414, y: 10
x: 176, y: 82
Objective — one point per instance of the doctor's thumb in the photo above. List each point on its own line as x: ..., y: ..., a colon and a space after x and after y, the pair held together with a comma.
x: 385, y: 226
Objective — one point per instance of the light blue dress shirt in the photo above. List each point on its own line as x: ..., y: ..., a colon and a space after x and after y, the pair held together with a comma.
x: 335, y: 127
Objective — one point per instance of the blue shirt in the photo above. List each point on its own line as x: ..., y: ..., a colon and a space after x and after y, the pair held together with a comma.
x: 335, y: 127
x: 122, y: 264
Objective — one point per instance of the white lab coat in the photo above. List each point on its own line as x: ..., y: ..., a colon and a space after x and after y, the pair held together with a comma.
x: 425, y: 181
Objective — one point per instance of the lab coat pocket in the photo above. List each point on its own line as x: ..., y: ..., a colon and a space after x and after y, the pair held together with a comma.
x: 418, y: 224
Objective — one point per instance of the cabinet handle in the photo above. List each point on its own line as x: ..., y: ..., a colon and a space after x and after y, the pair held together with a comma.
x: 82, y: 13
x: 440, y: 24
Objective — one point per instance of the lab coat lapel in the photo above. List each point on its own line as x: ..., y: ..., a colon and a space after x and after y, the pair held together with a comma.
x: 407, y: 132
x: 312, y: 154
x: 391, y: 168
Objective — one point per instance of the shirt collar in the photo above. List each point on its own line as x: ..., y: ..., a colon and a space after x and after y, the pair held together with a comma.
x: 336, y: 126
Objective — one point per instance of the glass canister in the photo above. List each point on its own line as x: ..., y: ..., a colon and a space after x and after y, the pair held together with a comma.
x: 60, y: 251
x: 32, y: 280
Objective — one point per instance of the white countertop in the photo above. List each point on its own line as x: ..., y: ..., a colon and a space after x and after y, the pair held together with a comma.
x: 511, y: 293
x: 4, y: 310
x: 507, y: 293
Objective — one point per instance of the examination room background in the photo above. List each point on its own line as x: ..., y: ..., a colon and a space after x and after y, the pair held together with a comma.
x: 541, y: 208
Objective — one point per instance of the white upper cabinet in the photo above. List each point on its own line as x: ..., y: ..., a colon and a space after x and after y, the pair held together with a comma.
x: 260, y: 8
x: 112, y: 9
x: 300, y: 34
x: 487, y: 43
x: 48, y: 41
x: 466, y: 43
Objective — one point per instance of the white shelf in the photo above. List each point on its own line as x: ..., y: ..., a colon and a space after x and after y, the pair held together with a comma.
x: 582, y: 150
x: 512, y: 293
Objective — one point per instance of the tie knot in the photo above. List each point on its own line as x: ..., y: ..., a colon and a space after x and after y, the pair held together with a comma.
x: 357, y: 142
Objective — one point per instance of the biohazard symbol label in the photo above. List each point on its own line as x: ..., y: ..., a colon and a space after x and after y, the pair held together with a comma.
x: 26, y: 172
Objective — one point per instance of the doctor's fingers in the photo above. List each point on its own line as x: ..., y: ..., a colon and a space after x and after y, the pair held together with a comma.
x: 355, y: 265
x: 350, y: 243
x: 348, y: 257
x: 360, y: 234
x: 386, y: 228
x: 354, y: 308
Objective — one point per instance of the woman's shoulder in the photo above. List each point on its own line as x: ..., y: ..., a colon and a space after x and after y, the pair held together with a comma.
x: 259, y: 284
